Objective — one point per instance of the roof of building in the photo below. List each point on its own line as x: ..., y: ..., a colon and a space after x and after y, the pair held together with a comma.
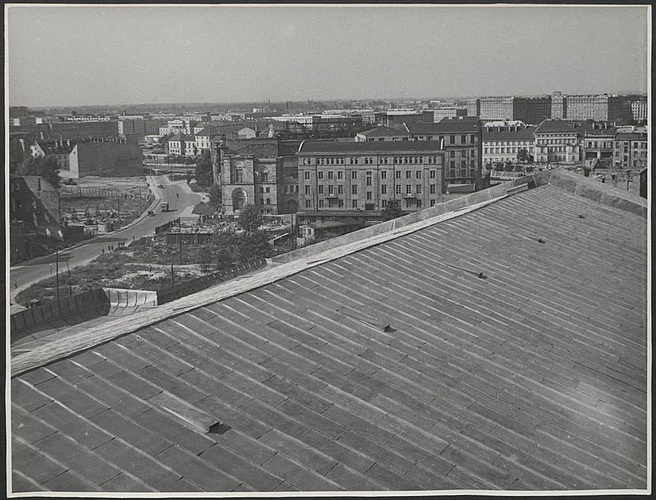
x: 631, y: 136
x: 384, y: 132
x: 497, y: 341
x: 522, y: 134
x: 56, y: 147
x: 314, y: 147
x: 554, y: 126
x: 446, y: 125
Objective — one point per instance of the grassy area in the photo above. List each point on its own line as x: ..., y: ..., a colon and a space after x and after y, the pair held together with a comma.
x: 146, y: 265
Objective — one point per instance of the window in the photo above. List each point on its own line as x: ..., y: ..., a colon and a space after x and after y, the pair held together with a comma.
x: 330, y: 174
x: 383, y: 174
x: 340, y: 189
x: 383, y: 189
x: 341, y: 204
x: 308, y: 203
x: 369, y: 195
x: 452, y: 139
x: 418, y: 191
x: 320, y: 189
x: 306, y: 175
x: 268, y: 190
x: 368, y: 181
x: 261, y: 190
x: 384, y: 203
x: 418, y: 174
x: 408, y: 189
x: 398, y: 174
x: 432, y: 188
x: 354, y: 189
x: 354, y: 174
x: 432, y: 203
x: 432, y: 174
x: 331, y: 189
x: 320, y: 175
x: 408, y: 174
x: 418, y: 203
x: 398, y: 189
x: 473, y: 138
x: 307, y: 189
x: 354, y: 203
x: 463, y: 139
x: 320, y: 203
x: 268, y: 201
x: 340, y: 175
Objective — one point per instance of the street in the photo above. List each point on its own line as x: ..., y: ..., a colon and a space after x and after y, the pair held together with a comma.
x: 177, y: 194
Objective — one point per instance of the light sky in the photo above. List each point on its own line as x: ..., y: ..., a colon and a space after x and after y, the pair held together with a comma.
x: 92, y: 55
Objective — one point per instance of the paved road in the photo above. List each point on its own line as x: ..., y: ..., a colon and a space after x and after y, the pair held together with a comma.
x: 179, y: 196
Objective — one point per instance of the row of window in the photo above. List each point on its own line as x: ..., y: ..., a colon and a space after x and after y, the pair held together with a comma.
x: 330, y: 189
x: 383, y: 174
x: 372, y: 160
x: 409, y: 204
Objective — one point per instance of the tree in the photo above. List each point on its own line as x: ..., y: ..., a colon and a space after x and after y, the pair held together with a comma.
x: 250, y: 218
x: 392, y: 210
x: 45, y: 167
x: 204, y: 175
x: 254, y: 245
x: 215, y: 196
x: 522, y: 154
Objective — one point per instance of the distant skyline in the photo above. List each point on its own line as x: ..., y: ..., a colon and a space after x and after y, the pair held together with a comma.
x: 84, y: 55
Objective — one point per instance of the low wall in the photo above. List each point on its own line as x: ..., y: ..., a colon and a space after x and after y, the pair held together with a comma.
x: 82, y: 306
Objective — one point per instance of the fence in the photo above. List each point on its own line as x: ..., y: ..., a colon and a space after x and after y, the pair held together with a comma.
x: 198, y: 284
x: 88, y: 192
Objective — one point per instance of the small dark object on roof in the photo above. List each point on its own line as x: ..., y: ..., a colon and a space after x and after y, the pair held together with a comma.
x: 481, y: 276
x: 219, y: 428
x: 541, y: 241
x: 389, y: 329
x: 581, y: 216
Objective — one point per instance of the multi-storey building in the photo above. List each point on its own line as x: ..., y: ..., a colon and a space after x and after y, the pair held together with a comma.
x: 558, y: 105
x: 245, y: 180
x: 531, y: 110
x: 639, y: 109
x: 556, y: 141
x: 182, y: 145
x: 106, y: 159
x: 345, y: 179
x: 597, y: 140
x: 507, y: 144
x: 587, y: 107
x: 473, y: 106
x: 630, y: 150
x: 60, y: 150
x: 461, y: 138
x: 84, y: 130
x: 448, y: 112
x: 496, y: 108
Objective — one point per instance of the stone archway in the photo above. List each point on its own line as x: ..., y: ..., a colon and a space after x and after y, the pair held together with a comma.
x: 239, y: 199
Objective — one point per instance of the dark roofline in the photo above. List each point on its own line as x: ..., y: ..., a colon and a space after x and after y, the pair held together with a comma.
x: 409, y: 147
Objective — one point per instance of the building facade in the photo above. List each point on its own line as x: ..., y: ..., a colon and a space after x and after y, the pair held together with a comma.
x: 345, y: 179
x: 532, y: 110
x: 506, y: 144
x: 246, y: 180
x: 630, y: 150
x: 556, y: 141
x: 496, y: 108
x: 105, y: 159
x: 597, y: 142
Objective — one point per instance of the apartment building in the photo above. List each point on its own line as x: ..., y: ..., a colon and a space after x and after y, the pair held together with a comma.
x: 556, y: 141
x: 630, y: 150
x: 505, y: 144
x: 347, y: 179
x: 182, y: 145
x: 531, y: 110
x: 597, y: 142
x: 496, y: 108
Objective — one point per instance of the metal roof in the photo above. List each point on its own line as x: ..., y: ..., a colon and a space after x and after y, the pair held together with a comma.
x: 492, y: 346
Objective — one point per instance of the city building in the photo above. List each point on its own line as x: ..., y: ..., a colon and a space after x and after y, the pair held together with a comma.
x: 359, y: 179
x: 598, y: 139
x: 33, y: 206
x: 60, y: 150
x: 630, y: 150
x: 84, y: 129
x: 105, y: 159
x: 182, y: 145
x: 496, y: 108
x: 473, y: 106
x: 503, y: 144
x: 383, y: 134
x: 449, y: 112
x: 531, y: 110
x: 397, y: 118
x: 556, y: 141
x: 640, y: 109
x: 558, y: 105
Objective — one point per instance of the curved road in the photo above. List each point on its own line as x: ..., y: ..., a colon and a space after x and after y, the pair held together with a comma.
x: 29, y: 272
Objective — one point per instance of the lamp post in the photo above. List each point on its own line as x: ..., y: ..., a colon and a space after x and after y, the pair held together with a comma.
x: 57, y: 235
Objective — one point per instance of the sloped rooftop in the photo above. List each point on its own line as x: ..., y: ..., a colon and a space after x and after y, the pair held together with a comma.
x: 495, y: 342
